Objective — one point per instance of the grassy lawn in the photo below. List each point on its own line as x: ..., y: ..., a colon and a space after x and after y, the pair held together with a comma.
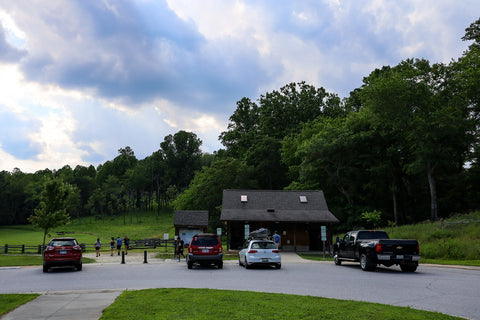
x: 9, y: 302
x: 135, y: 225
x: 226, y: 304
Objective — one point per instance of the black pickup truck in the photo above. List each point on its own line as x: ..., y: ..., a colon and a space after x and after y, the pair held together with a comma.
x: 373, y: 247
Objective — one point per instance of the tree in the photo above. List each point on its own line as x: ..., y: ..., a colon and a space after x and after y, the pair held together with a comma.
x: 52, y: 212
x: 183, y: 157
x: 415, y: 101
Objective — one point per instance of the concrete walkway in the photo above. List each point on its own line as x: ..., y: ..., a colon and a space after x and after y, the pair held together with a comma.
x: 78, y: 305
x: 88, y: 305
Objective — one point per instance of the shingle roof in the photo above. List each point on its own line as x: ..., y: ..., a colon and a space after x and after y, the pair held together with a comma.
x: 190, y: 218
x: 275, y: 205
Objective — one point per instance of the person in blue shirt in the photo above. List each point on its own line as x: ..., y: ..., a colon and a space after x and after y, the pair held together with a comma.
x: 119, y: 245
x: 277, y: 239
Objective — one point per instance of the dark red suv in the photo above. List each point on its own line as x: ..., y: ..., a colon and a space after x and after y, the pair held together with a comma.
x: 205, y: 249
x: 62, y: 252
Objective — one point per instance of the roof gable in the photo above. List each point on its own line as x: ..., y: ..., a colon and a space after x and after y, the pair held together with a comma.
x: 190, y: 218
x: 275, y: 205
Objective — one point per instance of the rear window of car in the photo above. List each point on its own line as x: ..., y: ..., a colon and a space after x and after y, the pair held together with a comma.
x: 62, y: 243
x: 263, y: 245
x: 372, y: 235
x: 205, y: 241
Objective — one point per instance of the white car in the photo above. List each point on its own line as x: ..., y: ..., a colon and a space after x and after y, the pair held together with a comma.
x: 259, y: 252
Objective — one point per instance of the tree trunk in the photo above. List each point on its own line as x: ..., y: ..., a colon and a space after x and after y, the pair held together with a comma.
x: 433, y: 194
x: 394, y: 200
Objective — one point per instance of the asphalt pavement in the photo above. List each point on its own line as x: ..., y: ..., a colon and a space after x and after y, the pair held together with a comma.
x: 89, y: 304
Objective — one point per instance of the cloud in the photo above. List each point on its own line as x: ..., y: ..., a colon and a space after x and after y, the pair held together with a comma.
x: 81, y: 79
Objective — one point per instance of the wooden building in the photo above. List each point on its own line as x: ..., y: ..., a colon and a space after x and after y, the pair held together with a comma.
x: 297, y: 216
x: 189, y: 222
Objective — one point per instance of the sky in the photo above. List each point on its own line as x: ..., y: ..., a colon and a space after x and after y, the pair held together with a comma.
x: 80, y: 79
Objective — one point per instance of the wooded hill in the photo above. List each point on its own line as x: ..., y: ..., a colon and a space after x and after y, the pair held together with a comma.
x: 405, y: 144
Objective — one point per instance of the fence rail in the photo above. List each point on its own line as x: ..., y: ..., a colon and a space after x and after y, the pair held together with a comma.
x: 134, y: 244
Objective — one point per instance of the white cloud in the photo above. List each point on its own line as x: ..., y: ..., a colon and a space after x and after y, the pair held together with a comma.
x: 85, y: 78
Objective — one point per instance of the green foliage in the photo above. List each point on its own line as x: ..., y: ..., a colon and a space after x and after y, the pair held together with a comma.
x: 456, y: 238
x: 9, y: 302
x: 226, y: 304
x: 373, y: 218
x: 52, y: 211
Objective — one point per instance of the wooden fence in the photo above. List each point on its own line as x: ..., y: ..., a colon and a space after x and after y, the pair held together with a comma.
x: 134, y: 244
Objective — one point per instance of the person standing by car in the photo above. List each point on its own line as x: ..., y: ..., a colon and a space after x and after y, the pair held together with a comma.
x: 98, y: 244
x: 277, y: 239
x: 112, y: 246
x: 126, y: 242
x: 119, y: 244
x: 180, y: 245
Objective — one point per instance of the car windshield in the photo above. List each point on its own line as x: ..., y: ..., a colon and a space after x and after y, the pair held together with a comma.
x: 205, y: 241
x: 263, y: 245
x: 62, y: 243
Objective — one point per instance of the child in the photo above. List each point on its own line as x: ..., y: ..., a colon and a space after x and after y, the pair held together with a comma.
x: 98, y: 244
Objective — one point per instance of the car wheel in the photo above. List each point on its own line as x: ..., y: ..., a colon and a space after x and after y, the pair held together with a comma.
x: 240, y: 262
x: 408, y: 267
x: 278, y: 266
x: 336, y: 259
x: 220, y: 264
x: 366, y: 263
x: 45, y: 268
x: 79, y: 267
x: 246, y: 264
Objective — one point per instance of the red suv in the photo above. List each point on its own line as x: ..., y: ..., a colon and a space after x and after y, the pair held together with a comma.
x: 205, y: 249
x: 62, y: 252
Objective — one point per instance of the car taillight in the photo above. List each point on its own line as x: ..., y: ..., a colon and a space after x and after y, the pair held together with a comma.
x: 418, y: 248
x: 252, y: 251
x: 77, y: 248
x: 275, y: 251
x: 49, y: 248
x: 220, y: 249
x: 378, y: 248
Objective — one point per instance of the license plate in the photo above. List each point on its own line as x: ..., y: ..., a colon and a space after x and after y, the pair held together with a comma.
x: 264, y: 259
x: 63, y: 252
x: 205, y: 250
x: 399, y: 256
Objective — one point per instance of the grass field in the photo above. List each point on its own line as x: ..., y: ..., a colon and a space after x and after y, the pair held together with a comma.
x: 225, y: 304
x: 11, y: 301
x: 135, y: 225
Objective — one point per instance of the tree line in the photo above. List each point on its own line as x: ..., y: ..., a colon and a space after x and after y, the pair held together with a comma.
x: 405, y: 144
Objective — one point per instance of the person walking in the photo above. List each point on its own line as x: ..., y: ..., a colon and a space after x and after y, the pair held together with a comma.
x: 98, y: 244
x: 112, y: 245
x: 180, y: 245
x: 119, y: 244
x: 277, y: 239
x: 126, y: 243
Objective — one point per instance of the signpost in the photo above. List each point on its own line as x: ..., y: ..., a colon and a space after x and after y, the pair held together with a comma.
x: 324, y: 238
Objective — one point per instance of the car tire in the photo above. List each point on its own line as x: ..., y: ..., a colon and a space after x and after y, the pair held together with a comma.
x: 220, y: 264
x: 79, y: 267
x: 408, y: 267
x: 45, y: 268
x: 366, y: 263
x: 336, y: 259
x: 189, y: 264
x: 240, y: 262
x: 278, y: 266
x: 246, y: 264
